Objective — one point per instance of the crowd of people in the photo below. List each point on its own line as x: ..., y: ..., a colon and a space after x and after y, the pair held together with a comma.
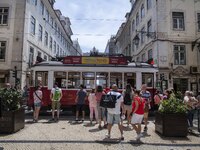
x: 130, y: 104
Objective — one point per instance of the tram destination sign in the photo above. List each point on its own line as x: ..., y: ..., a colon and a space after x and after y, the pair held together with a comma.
x: 94, y: 60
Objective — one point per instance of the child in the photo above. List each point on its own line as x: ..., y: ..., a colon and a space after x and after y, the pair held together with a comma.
x: 93, y: 106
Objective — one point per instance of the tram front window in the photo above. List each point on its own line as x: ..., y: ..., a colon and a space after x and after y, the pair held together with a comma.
x: 60, y: 78
x: 88, y: 80
x: 147, y: 78
x: 116, y: 78
x: 102, y: 79
x: 41, y: 78
x: 73, y: 80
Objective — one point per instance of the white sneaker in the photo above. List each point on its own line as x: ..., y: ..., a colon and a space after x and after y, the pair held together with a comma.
x: 138, y: 137
x: 108, y: 136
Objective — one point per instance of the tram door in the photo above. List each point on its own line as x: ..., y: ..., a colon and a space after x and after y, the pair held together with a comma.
x: 130, y: 78
x: 131, y: 82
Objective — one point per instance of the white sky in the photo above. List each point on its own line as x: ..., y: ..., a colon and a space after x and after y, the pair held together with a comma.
x: 82, y: 14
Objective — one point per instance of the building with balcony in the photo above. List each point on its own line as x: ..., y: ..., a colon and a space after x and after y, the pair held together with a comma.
x: 31, y: 31
x: 169, y: 33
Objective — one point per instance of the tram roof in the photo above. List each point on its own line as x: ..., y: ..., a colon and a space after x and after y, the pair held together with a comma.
x: 131, y: 64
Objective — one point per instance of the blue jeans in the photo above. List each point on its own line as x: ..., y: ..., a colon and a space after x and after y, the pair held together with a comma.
x: 190, y: 116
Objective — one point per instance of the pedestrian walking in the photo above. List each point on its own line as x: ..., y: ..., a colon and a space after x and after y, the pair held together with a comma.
x: 113, y: 116
x: 93, y: 106
x: 80, y: 102
x: 137, y: 113
x: 101, y: 110
x: 157, y: 100
x: 55, y: 96
x: 191, y: 103
x: 128, y: 95
x: 146, y: 95
x: 37, y: 96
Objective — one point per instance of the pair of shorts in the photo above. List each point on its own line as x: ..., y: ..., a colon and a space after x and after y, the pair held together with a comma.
x: 113, y: 118
x: 80, y: 107
x: 55, y: 105
x: 38, y: 104
x: 136, y: 119
x: 128, y: 108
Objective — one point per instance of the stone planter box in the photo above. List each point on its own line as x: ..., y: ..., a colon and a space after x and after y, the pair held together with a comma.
x: 12, y: 121
x: 174, y: 125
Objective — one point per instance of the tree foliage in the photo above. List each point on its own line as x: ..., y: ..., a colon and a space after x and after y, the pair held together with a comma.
x: 10, y: 99
x: 173, y: 105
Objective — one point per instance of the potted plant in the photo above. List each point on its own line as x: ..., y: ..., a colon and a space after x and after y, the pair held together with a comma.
x: 171, y: 119
x: 13, y: 116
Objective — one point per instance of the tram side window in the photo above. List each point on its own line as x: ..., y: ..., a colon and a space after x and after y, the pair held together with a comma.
x: 73, y: 80
x: 147, y: 78
x: 102, y: 79
x: 116, y: 78
x: 41, y: 78
x: 130, y: 78
x: 88, y: 80
x: 60, y: 78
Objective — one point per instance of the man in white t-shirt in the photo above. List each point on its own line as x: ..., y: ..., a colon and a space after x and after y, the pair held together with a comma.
x: 113, y: 116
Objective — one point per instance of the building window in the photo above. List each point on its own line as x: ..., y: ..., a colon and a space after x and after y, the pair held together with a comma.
x: 3, y: 16
x: 149, y: 26
x: 47, y: 15
x: 40, y: 32
x: 51, y: 21
x: 198, y: 21
x: 33, y: 25
x: 2, y: 50
x: 58, y: 48
x: 150, y: 54
x: 50, y: 43
x: 55, y: 28
x: 133, y: 25
x: 138, y: 59
x: 133, y: 45
x: 34, y: 2
x: 45, y: 57
x: 31, y: 56
x: 178, y: 21
x: 54, y: 47
x: 137, y: 19
x: 60, y: 51
x: 58, y: 32
x: 143, y: 57
x: 142, y: 35
x: 179, y: 55
x: 41, y: 7
x: 149, y: 4
x: 46, y: 38
x: 142, y: 11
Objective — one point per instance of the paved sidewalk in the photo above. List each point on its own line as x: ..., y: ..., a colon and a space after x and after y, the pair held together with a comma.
x: 66, y: 134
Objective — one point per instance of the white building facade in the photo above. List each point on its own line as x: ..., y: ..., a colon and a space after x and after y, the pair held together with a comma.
x: 168, y: 31
x: 31, y: 31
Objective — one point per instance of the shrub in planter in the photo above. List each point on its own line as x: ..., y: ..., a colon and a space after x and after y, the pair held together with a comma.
x: 171, y: 119
x: 13, y: 116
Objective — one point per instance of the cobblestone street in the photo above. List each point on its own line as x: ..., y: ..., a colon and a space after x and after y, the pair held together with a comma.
x: 66, y: 134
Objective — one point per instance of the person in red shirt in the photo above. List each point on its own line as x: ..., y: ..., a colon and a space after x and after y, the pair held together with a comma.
x: 138, y: 113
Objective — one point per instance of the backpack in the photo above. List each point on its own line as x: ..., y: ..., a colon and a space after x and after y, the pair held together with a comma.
x: 127, y: 99
x: 108, y: 101
x: 56, y: 94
